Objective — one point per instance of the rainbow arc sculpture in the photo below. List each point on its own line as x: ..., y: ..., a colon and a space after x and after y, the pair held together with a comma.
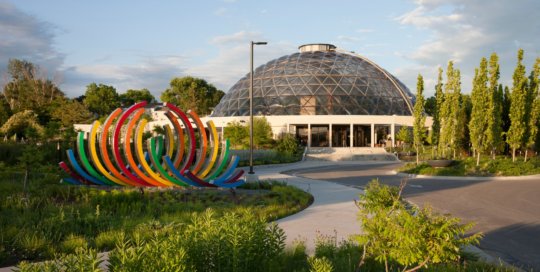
x: 114, y: 153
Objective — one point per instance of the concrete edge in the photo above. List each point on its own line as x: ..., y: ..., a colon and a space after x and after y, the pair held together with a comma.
x: 406, y: 175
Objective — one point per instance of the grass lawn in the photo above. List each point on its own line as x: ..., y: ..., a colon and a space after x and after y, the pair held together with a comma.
x: 501, y: 166
x: 50, y: 218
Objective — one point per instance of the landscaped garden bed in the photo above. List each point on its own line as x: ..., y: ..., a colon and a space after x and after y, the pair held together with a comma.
x: 50, y: 218
x: 501, y: 166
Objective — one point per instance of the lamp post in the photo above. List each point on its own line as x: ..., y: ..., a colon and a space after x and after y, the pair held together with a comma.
x: 251, y: 105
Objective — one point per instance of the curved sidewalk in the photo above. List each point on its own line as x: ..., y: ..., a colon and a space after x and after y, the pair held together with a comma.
x: 333, y: 212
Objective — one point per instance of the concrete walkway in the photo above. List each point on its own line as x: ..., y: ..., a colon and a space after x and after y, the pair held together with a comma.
x: 333, y: 212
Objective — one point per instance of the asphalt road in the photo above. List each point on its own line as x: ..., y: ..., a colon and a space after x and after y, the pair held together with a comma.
x: 507, y: 212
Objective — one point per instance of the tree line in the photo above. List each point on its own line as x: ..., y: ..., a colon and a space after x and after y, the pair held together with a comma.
x: 491, y: 120
x: 33, y: 107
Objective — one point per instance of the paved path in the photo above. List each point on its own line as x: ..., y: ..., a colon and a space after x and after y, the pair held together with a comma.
x: 506, y: 210
x: 333, y: 212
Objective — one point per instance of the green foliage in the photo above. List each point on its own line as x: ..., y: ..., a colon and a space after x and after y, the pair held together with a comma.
x: 237, y: 134
x: 452, y: 115
x: 494, y: 112
x: 262, y: 133
x: 517, y: 130
x: 84, y: 259
x: 287, y: 145
x: 533, y: 107
x: 49, y: 218
x: 479, y: 123
x: 191, y: 93
x: 320, y: 265
x: 419, y: 130
x: 131, y: 97
x: 402, y: 237
x: 70, y: 112
x: 5, y: 111
x: 27, y: 91
x: 404, y: 135
x: 101, y: 99
x: 501, y: 166
x: 23, y: 124
x: 439, y: 100
x: 72, y: 242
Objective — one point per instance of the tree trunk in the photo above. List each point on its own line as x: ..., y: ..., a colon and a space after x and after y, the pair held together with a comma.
x: 478, y: 159
x: 417, y: 157
x: 513, y: 155
x: 493, y: 153
x: 525, y: 160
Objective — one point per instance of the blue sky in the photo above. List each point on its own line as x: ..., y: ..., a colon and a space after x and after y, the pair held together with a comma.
x: 143, y: 44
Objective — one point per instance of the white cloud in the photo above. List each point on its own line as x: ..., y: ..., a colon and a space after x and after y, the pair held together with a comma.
x: 348, y: 38
x: 467, y: 30
x: 232, y: 60
x: 153, y: 73
x: 236, y: 38
x: 25, y: 37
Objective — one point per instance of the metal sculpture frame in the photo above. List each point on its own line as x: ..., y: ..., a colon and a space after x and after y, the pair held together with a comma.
x: 163, y: 161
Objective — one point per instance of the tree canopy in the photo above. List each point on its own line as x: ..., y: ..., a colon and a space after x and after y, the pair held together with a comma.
x: 419, y: 130
x: 101, y: 99
x: 28, y: 91
x: 131, y: 97
x: 191, y: 93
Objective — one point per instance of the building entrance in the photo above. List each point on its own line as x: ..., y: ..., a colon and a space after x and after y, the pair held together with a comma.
x: 340, y: 135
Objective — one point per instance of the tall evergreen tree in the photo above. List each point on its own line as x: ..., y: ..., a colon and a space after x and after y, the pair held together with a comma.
x: 439, y: 98
x: 517, y: 107
x: 494, y: 109
x: 419, y: 118
x: 533, y: 107
x: 478, y: 125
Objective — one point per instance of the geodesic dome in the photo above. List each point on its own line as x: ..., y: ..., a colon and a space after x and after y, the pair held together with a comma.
x: 318, y: 81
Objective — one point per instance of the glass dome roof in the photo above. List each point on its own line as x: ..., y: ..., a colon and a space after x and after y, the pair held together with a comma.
x: 318, y: 83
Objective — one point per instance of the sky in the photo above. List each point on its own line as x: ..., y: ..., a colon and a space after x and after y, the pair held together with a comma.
x: 135, y: 44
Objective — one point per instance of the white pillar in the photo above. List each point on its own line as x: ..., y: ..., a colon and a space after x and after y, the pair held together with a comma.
x: 372, y: 135
x: 393, y: 133
x: 351, y: 136
x: 330, y: 134
x: 309, y: 135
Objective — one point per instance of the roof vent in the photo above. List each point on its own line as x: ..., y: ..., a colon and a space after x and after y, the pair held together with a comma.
x: 312, y: 47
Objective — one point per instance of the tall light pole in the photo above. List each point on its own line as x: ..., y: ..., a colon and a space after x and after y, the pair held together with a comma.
x: 251, y: 105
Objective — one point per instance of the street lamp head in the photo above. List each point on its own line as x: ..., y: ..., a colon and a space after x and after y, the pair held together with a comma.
x: 259, y: 43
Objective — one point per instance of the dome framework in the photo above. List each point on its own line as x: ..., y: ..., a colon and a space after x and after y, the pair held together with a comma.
x: 318, y: 83
x: 324, y: 96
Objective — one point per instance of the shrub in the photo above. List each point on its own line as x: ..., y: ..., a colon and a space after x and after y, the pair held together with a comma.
x: 108, y: 239
x: 72, y: 242
x: 287, y: 145
x: 401, y: 237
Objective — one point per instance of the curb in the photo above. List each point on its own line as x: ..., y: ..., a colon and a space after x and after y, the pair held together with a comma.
x: 415, y: 176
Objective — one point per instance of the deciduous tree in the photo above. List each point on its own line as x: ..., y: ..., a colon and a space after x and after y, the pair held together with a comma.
x: 479, y: 123
x: 131, y: 97
x: 101, y: 99
x: 419, y: 130
x: 494, y: 112
x: 517, y: 113
x: 533, y: 107
x: 30, y: 90
x: 191, y: 93
x: 439, y: 99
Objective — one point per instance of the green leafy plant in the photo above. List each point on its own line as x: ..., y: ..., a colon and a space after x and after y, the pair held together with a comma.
x: 407, y: 238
